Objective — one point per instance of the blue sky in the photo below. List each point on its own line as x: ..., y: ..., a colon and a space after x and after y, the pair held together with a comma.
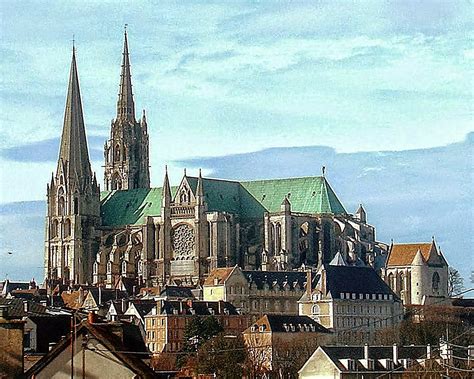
x: 234, y: 77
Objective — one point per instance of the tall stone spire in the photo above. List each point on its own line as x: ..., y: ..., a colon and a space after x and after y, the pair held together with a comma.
x: 126, y: 152
x: 73, y: 199
x: 73, y: 153
x: 125, y: 104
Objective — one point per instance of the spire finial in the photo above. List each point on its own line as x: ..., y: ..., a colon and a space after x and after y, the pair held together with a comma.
x: 185, y: 171
x: 200, y: 173
x: 73, y: 44
x: 324, y: 170
x: 166, y: 169
x: 125, y: 28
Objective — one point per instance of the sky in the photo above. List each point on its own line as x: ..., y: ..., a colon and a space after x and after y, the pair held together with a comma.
x: 220, y: 78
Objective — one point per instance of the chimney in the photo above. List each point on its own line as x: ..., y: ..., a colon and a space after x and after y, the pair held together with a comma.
x: 100, y: 295
x: 26, y: 307
x: 219, y: 306
x: 366, y: 351
x: 428, y: 351
x: 91, y: 318
x: 323, y: 280
x: 124, y: 305
x: 395, y: 354
x: 309, y: 279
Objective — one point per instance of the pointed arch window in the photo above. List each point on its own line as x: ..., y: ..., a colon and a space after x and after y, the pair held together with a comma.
x: 76, y: 206
x: 54, y: 228
x: 435, y: 281
x: 61, y: 202
x: 67, y: 228
x: 117, y: 153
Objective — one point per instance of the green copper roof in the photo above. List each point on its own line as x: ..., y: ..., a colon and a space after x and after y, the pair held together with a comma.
x: 247, y: 199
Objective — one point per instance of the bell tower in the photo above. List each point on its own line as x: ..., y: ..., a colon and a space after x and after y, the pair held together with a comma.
x: 73, y: 199
x: 126, y: 152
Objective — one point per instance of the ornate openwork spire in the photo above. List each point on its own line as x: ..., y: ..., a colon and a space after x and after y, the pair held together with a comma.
x: 125, y: 104
x: 73, y: 153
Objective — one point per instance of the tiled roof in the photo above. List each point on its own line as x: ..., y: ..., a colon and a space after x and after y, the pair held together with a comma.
x: 248, y: 199
x: 353, y: 279
x: 402, y: 254
x: 219, y: 274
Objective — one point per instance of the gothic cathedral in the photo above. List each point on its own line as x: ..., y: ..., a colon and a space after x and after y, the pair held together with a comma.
x: 178, y: 234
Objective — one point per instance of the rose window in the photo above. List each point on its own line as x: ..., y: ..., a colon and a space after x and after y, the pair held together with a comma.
x: 183, y: 241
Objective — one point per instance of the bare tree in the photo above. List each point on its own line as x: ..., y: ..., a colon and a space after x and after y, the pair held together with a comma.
x: 455, y: 282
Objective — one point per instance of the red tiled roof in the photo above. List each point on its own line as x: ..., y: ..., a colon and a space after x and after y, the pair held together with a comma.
x: 221, y: 274
x: 402, y: 254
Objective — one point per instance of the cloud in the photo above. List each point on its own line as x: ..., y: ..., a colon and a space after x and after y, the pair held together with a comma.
x: 47, y: 150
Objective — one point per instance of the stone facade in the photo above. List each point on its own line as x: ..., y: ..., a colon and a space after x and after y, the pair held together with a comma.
x: 417, y: 272
x: 166, y: 323
x: 158, y: 236
x: 126, y: 151
x: 354, y: 302
x: 256, y: 292
x: 73, y: 203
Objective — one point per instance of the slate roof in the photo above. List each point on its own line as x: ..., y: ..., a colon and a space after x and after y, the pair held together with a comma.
x: 177, y: 292
x: 283, y: 323
x: 402, y: 254
x: 198, y: 307
x: 353, y: 279
x: 375, y: 352
x: 16, y: 309
x: 247, y: 199
x: 278, y: 279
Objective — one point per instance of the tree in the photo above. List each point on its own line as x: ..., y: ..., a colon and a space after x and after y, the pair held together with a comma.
x: 455, y: 282
x: 224, y: 356
x: 197, y: 332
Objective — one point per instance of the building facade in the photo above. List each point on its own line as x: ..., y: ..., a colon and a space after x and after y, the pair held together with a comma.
x: 417, y: 272
x: 166, y: 323
x: 354, y: 302
x: 156, y: 236
x: 256, y: 292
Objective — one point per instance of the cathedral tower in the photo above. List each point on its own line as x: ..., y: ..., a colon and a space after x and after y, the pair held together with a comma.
x: 126, y: 152
x: 73, y: 199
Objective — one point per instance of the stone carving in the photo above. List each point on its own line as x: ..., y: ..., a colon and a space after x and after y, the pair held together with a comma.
x: 183, y: 242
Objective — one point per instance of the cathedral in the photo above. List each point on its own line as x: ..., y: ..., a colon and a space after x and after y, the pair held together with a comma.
x: 179, y: 234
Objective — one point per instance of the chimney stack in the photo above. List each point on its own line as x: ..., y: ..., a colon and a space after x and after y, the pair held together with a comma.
x: 366, y: 351
x: 91, y: 318
x: 309, y: 279
x: 395, y: 354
